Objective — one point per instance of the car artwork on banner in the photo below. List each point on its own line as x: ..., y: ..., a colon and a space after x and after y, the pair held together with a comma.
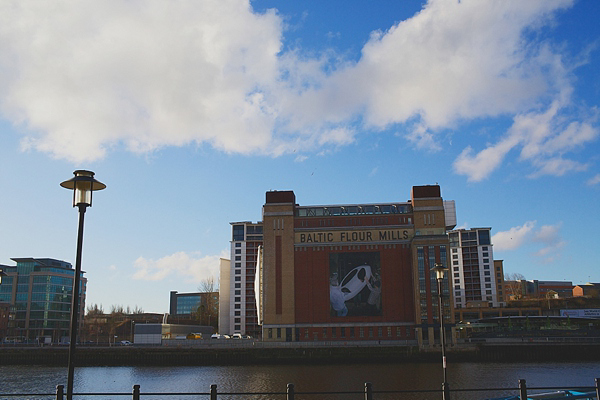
x: 355, y: 284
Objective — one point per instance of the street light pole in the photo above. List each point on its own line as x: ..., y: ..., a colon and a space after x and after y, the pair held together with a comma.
x: 440, y: 270
x: 82, y: 184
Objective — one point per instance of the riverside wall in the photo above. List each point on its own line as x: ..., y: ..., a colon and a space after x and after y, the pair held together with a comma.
x: 162, y: 355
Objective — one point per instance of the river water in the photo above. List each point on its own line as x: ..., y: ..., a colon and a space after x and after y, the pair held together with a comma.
x: 306, y: 378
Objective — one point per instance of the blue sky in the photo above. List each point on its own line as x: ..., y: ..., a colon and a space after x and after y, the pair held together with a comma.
x: 190, y: 111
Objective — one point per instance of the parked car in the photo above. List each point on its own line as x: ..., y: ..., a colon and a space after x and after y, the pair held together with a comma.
x: 126, y: 343
x: 236, y: 336
x: 216, y: 336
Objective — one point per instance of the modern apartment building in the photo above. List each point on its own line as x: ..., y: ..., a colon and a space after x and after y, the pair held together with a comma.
x: 475, y: 279
x: 242, y: 315
x: 39, y: 292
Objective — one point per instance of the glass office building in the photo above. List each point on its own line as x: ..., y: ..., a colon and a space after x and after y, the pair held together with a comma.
x: 39, y: 292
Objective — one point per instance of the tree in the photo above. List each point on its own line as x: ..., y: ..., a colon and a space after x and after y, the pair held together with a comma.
x: 513, y: 285
x: 95, y: 310
x: 208, y: 310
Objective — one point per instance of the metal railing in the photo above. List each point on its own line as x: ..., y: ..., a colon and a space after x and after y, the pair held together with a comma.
x: 591, y: 392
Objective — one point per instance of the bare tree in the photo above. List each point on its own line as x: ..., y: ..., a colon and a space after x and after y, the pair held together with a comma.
x: 514, y: 285
x: 208, y: 310
x: 207, y: 285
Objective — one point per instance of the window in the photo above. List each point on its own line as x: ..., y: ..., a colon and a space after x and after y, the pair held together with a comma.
x: 488, y: 285
x: 238, y: 299
x: 238, y: 320
x: 488, y: 292
x: 238, y: 251
x: 456, y: 269
x: 238, y: 285
x: 237, y: 327
x: 238, y: 245
x: 237, y: 313
x: 278, y: 333
x: 486, y: 254
x: 486, y: 260
x: 361, y: 332
x: 238, y: 265
x: 238, y: 233
x: 238, y: 258
x: 486, y: 266
x: 324, y: 333
x: 488, y: 279
x: 305, y: 333
x: 486, y: 272
x: 484, y: 237
x: 370, y: 331
x: 454, y: 262
x: 237, y: 306
x: 342, y: 332
x: 484, y: 248
x: 456, y: 286
x: 457, y: 294
x: 456, y: 275
x: 270, y: 333
x: 238, y: 292
x: 380, y: 331
x: 238, y: 271
x: 454, y: 256
x: 457, y: 281
x: 238, y: 278
x: 389, y: 331
x: 333, y: 332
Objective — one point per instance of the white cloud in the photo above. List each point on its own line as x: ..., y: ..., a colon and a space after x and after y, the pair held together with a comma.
x: 513, y: 238
x: 548, y: 236
x: 180, y: 264
x: 594, y: 180
x: 85, y: 77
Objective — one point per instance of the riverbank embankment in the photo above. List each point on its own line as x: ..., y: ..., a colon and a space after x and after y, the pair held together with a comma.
x: 162, y: 356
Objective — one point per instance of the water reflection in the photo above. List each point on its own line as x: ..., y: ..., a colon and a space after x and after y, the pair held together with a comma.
x: 307, y: 378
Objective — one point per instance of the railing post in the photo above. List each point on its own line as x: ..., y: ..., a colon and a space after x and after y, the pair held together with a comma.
x: 290, y: 391
x: 213, y: 392
x: 523, y: 389
x: 60, y: 392
x: 368, y: 391
x: 136, y: 392
x: 597, y: 388
x: 445, y: 391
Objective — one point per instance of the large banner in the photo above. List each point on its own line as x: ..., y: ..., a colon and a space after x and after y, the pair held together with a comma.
x: 355, y: 284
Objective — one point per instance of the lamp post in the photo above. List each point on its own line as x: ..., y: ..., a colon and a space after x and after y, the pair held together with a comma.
x: 440, y: 270
x: 82, y: 184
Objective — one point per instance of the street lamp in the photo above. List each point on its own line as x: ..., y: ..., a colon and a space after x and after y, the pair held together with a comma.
x: 440, y: 270
x: 2, y: 273
x: 82, y: 184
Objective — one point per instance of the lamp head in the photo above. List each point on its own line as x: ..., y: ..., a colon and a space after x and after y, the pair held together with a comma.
x: 83, y: 184
x: 439, y: 270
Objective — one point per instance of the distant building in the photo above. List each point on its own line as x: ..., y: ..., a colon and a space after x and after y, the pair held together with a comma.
x: 474, y: 273
x: 588, y: 289
x: 549, y: 289
x: 242, y: 315
x: 201, y: 306
x: 39, y: 292
x: 224, y: 295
